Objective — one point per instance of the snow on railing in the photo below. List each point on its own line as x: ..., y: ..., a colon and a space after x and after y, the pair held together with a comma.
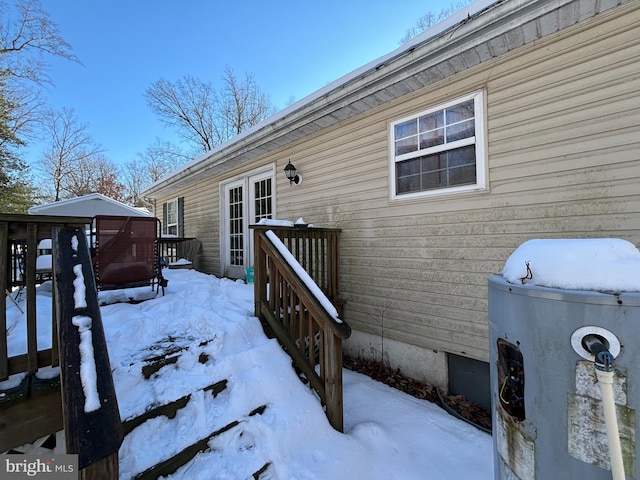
x: 298, y: 311
x: 304, y: 276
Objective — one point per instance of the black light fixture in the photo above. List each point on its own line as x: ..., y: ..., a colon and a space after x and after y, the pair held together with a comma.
x: 290, y: 172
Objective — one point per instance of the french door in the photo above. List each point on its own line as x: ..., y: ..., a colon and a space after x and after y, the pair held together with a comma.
x: 247, y: 200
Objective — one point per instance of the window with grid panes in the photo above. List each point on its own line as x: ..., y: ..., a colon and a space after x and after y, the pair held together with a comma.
x: 172, y: 217
x: 262, y: 199
x: 236, y: 229
x: 439, y: 150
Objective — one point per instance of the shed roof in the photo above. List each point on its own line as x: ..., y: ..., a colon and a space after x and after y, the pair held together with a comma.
x: 480, y: 31
x: 88, y: 206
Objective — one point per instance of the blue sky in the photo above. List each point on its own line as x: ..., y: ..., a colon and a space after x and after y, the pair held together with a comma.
x: 291, y: 48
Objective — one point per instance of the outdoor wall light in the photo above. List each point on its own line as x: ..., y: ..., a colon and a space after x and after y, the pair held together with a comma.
x: 290, y: 172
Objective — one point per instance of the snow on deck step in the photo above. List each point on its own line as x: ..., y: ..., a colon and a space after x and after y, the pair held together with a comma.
x: 238, y: 432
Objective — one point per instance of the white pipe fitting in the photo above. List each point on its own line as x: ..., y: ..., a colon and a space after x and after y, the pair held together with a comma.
x: 605, y: 379
x: 576, y: 341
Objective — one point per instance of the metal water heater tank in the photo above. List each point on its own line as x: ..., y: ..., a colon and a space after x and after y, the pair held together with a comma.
x: 548, y: 420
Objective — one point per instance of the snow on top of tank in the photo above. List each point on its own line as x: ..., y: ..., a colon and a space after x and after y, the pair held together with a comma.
x: 600, y: 264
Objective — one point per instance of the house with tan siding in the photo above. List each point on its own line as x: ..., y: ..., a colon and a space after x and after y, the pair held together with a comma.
x: 511, y: 120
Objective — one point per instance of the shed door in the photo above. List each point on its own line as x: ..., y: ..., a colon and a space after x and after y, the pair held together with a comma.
x: 247, y: 201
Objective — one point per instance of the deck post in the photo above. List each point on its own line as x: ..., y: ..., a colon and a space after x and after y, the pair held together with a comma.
x: 92, y: 424
x: 260, y: 273
x: 333, y: 381
x: 4, y: 283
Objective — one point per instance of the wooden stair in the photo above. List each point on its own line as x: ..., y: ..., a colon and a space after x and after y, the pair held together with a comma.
x: 32, y: 412
x: 161, y: 360
x: 36, y: 396
x: 172, y: 464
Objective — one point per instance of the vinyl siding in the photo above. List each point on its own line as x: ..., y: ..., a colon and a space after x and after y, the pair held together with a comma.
x: 200, y: 220
x: 564, y: 161
x: 562, y: 118
x: 202, y: 214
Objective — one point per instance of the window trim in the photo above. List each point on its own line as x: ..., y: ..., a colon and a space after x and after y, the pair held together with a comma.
x: 223, y: 215
x: 241, y: 183
x: 252, y: 179
x: 179, y: 224
x: 173, y: 202
x: 479, y: 141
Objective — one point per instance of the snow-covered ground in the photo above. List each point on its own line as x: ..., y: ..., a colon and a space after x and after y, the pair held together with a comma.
x: 278, y: 421
x: 387, y: 434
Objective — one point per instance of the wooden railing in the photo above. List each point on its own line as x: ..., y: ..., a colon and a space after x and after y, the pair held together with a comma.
x: 92, y: 424
x: 26, y: 230
x: 93, y: 433
x: 316, y: 249
x: 294, y: 312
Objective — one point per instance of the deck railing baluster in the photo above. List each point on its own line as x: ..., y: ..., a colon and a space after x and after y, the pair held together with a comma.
x: 302, y: 315
x: 42, y: 415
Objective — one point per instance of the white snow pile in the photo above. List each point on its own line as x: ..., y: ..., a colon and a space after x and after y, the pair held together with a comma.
x: 599, y: 264
x: 274, y: 222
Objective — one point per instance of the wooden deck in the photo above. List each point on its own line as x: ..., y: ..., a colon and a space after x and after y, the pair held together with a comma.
x: 38, y: 408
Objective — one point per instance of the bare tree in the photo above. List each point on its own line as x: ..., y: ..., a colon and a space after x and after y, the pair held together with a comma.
x: 189, y: 105
x: 429, y: 19
x: 27, y: 38
x: 203, y: 116
x: 70, y: 147
x: 242, y: 104
x: 150, y: 166
x: 27, y: 110
x: 93, y: 174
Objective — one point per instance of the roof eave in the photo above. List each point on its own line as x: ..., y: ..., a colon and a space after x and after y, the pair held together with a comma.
x: 436, y: 54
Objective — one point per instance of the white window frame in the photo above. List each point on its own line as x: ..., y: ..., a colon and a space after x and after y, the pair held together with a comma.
x: 251, y: 180
x: 478, y: 140
x: 173, y: 202
x: 245, y: 180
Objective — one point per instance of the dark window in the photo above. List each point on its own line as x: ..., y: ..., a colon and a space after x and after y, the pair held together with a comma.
x: 445, y: 169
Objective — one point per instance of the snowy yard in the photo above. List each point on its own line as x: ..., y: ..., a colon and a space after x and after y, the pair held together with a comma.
x: 388, y: 434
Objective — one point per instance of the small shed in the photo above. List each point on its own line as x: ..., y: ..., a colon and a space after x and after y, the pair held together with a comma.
x: 89, y: 206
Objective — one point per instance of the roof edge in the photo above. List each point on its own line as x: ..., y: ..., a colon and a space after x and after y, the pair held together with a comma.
x: 475, y: 23
x: 208, y: 159
x: 70, y: 201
